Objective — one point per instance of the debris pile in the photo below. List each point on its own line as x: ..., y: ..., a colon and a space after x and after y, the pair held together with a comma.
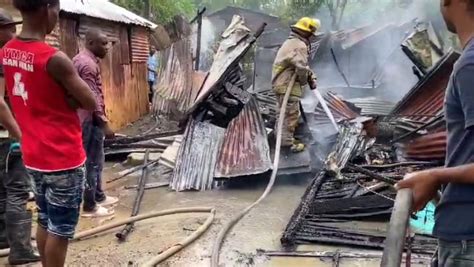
x: 379, y: 142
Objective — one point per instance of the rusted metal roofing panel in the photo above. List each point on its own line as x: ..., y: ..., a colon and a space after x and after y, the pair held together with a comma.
x: 140, y: 45
x: 105, y: 10
x: 178, y: 84
x: 427, y: 96
x: 341, y: 109
x: 245, y: 150
x: 428, y: 147
x: 421, y: 104
x: 197, y: 157
x: 373, y: 106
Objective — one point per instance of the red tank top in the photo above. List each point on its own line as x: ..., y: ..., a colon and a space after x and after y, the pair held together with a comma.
x: 51, y: 132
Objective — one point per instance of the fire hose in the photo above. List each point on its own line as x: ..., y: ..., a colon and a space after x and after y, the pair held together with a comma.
x: 162, y: 256
x: 223, y: 233
x: 397, y: 230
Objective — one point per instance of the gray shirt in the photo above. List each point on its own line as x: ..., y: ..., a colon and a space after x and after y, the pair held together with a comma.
x: 455, y: 213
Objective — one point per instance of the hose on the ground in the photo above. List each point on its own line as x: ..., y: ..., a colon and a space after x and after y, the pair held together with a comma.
x: 116, y: 224
x: 162, y: 256
x: 188, y: 240
x: 222, y: 234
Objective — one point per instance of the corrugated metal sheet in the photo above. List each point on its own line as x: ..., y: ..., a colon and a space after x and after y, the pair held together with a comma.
x: 341, y: 109
x: 427, y: 97
x: 236, y: 41
x: 178, y: 84
x: 421, y: 104
x: 245, y: 150
x: 197, y: 157
x: 105, y: 10
x: 373, y: 106
x: 140, y: 45
x: 428, y: 147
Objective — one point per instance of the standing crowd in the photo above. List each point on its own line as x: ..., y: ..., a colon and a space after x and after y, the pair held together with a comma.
x: 56, y: 134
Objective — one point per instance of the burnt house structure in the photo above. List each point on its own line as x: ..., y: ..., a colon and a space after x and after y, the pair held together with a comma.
x: 124, y: 70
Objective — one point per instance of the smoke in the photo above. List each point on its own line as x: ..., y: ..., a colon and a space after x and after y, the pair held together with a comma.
x: 208, y: 43
x: 376, y: 65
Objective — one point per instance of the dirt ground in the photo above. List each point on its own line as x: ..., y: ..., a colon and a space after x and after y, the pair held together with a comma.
x: 259, y: 230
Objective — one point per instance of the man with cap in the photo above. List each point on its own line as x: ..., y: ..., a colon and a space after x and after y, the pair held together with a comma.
x: 15, y: 220
x: 292, y: 59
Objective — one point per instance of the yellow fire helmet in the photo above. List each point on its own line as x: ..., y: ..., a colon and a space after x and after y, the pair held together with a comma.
x: 308, y: 25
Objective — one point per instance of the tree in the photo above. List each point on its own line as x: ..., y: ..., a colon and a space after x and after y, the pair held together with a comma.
x: 161, y: 11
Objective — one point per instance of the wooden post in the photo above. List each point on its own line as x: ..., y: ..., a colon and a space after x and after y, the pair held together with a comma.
x: 396, y: 237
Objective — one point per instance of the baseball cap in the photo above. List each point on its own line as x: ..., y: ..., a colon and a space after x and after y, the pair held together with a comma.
x: 7, y: 20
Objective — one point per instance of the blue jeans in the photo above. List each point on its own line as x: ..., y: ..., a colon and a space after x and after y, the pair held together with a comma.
x: 93, y: 140
x: 456, y: 254
x: 58, y: 197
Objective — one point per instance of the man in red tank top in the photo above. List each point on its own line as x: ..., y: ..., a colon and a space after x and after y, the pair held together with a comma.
x: 45, y: 91
x: 15, y: 218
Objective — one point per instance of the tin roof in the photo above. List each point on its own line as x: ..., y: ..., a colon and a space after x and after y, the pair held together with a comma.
x: 103, y: 9
x: 245, y: 150
x: 427, y: 97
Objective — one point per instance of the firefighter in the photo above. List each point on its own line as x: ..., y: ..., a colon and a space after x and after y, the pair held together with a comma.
x: 291, y: 59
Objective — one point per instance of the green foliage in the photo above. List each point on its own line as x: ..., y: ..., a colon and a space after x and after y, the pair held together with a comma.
x: 161, y: 11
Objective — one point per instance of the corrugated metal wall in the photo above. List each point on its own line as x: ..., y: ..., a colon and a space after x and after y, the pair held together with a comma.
x: 140, y: 41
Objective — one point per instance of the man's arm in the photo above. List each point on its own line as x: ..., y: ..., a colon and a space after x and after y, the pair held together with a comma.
x: 300, y: 61
x: 60, y: 67
x: 6, y: 117
x: 425, y: 184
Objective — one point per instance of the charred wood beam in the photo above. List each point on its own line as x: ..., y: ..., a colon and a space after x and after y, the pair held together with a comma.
x: 297, y: 219
x: 132, y: 170
x: 358, y: 216
x: 149, y: 186
x: 136, y: 139
x: 160, y: 147
x: 350, y: 205
x: 419, y: 259
x: 339, y: 236
x: 122, y: 235
x: 399, y: 164
x: 371, y: 174
x: 427, y: 125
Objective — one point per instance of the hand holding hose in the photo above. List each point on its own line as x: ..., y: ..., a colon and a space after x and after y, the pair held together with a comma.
x: 312, y: 81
